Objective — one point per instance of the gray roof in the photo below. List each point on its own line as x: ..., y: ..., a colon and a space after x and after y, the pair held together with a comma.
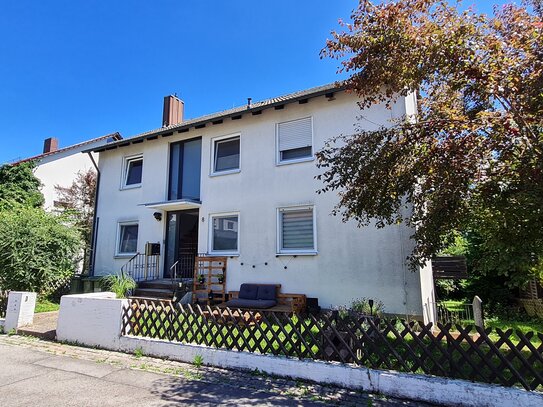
x: 217, y: 118
x: 113, y: 136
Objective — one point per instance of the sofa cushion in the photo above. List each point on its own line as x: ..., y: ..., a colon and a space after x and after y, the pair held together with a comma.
x: 248, y: 291
x: 267, y: 292
x: 256, y: 304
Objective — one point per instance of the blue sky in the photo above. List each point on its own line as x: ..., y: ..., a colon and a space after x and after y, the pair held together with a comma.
x: 81, y: 69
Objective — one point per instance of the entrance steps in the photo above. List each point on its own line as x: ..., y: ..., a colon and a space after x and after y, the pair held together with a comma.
x: 161, y: 288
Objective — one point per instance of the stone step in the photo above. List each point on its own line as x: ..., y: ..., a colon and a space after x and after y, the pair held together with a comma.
x: 49, y: 335
x: 155, y: 284
x: 153, y: 293
x: 44, y: 326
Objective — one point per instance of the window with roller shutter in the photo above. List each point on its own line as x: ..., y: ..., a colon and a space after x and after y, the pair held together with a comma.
x: 295, y: 141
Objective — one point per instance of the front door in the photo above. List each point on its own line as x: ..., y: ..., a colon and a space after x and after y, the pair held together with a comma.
x: 181, y: 243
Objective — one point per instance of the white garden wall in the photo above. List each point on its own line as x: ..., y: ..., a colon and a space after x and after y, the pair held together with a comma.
x: 95, y: 320
x: 92, y: 319
x: 447, y: 392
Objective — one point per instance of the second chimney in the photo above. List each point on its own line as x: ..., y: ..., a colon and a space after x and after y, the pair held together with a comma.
x: 173, y: 111
x: 50, y: 145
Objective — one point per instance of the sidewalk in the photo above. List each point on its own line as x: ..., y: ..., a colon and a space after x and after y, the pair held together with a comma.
x: 37, y: 372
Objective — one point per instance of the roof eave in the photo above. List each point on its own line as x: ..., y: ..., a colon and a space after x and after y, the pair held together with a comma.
x: 116, y: 136
x: 182, y: 128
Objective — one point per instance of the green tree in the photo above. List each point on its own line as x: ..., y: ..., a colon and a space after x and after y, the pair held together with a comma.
x: 77, y: 202
x: 19, y: 186
x: 38, y: 251
x: 471, y: 157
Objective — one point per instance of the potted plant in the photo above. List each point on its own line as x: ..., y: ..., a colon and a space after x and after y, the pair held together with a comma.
x: 220, y: 277
x: 201, y: 279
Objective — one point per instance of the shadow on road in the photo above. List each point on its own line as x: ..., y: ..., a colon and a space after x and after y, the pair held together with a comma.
x: 175, y: 390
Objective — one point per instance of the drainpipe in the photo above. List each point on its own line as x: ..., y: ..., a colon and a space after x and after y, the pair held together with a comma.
x: 94, y: 218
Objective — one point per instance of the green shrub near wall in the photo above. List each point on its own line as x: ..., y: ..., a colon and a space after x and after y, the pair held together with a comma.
x: 38, y: 250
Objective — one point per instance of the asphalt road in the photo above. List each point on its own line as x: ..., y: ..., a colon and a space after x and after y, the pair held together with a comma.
x: 39, y: 373
x: 34, y: 378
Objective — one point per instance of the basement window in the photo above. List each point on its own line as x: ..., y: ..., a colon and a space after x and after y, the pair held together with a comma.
x: 224, y: 233
x: 127, y: 242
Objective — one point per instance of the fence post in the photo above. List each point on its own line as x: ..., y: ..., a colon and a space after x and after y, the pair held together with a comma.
x: 478, y: 312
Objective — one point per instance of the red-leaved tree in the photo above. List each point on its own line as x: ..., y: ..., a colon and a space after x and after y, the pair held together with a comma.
x: 472, y: 158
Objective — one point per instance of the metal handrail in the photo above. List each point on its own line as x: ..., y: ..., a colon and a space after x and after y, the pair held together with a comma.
x: 173, y: 273
x: 142, y: 267
x: 128, y: 262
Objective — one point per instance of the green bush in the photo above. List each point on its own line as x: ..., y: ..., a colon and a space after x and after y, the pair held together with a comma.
x: 363, y: 305
x: 38, y: 250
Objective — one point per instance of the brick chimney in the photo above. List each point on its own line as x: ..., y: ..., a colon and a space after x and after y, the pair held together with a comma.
x: 50, y: 145
x: 173, y: 111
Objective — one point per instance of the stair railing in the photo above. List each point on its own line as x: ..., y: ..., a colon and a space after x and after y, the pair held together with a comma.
x: 173, y: 274
x: 142, y: 267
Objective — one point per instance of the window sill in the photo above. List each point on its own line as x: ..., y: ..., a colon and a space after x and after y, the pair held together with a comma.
x: 223, y: 254
x: 124, y: 256
x: 295, y: 161
x: 130, y: 186
x: 300, y: 253
x: 227, y: 172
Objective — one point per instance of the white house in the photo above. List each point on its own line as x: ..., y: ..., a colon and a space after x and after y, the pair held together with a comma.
x: 59, y: 166
x: 241, y: 183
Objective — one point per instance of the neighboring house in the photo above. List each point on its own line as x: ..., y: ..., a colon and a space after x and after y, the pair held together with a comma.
x: 241, y: 183
x: 59, y: 166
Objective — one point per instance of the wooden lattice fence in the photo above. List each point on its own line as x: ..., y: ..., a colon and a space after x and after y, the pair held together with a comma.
x: 513, y: 359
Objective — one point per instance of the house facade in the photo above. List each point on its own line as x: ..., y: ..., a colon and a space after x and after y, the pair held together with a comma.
x: 58, y: 166
x: 241, y: 183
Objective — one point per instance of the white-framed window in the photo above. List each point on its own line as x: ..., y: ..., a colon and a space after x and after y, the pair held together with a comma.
x: 296, y: 230
x: 225, y: 154
x: 132, y: 171
x: 224, y: 233
x: 294, y: 141
x: 127, y: 238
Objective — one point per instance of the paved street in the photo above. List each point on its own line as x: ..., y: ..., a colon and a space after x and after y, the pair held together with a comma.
x: 39, y: 373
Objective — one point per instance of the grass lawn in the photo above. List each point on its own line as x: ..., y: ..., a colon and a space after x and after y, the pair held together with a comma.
x: 522, y: 324
x: 43, y: 305
x: 534, y: 324
x: 452, y: 305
